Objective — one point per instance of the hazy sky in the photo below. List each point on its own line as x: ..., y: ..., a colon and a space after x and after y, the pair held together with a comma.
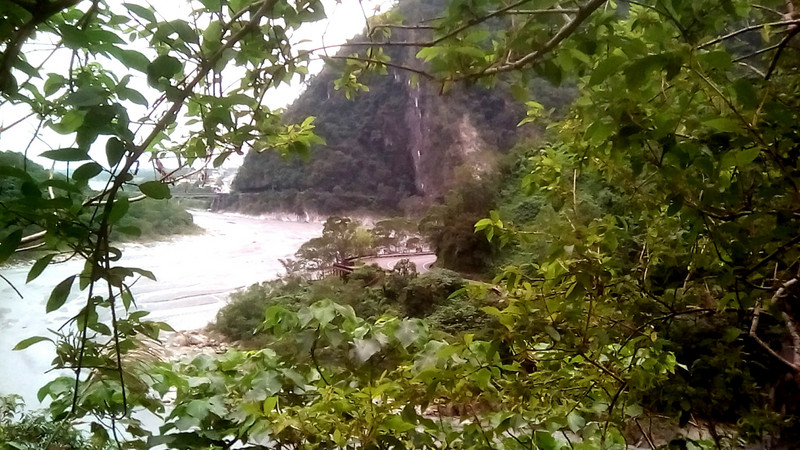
x: 344, y: 21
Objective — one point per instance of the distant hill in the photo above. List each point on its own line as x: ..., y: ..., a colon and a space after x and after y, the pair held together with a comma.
x: 400, y: 146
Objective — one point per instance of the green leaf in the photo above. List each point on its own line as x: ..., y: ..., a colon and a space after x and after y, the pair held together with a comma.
x: 220, y: 159
x: 483, y: 223
x: 483, y: 378
x: 11, y: 171
x: 634, y: 410
x: 471, y: 51
x: 131, y: 58
x: 365, y: 348
x: 640, y: 70
x: 197, y: 409
x: 9, y: 245
x: 212, y: 5
x: 724, y: 124
x: 237, y: 5
x: 575, y: 421
x: 553, y: 333
x: 62, y: 184
x: 675, y: 205
x: 132, y: 95
x: 397, y: 425
x: 66, y: 154
x: 119, y: 210
x: 545, y: 441
x: 407, y: 333
x: 141, y: 11
x: 87, y: 171
x: 746, y: 93
x: 39, y: 266
x: 212, y: 37
x: 144, y: 273
x: 25, y: 343
x: 164, y: 66
x: 115, y: 150
x: 430, y: 53
x: 731, y: 334
x: 54, y: 83
x: 87, y: 96
x: 747, y: 156
x: 155, y: 189
x: 717, y: 59
x: 606, y: 68
x: 185, y: 31
x: 70, y: 122
x: 59, y: 295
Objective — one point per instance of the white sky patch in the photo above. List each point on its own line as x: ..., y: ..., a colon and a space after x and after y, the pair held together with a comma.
x: 344, y: 20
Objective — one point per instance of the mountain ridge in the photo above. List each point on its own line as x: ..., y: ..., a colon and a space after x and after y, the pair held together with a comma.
x: 399, y: 147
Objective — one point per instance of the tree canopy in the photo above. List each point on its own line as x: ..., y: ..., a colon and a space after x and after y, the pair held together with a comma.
x: 680, y: 304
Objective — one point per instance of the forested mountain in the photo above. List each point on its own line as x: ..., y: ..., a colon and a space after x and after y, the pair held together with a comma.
x: 398, y: 146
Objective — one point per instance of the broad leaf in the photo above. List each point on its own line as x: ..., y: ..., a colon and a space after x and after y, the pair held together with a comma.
x: 39, y: 266
x: 155, y: 189
x: 67, y: 154
x: 25, y: 343
x: 59, y: 295
x: 9, y: 245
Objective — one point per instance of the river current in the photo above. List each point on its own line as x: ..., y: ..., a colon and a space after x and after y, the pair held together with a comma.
x: 195, y: 273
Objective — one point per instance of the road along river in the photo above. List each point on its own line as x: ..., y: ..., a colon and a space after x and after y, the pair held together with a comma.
x: 195, y: 275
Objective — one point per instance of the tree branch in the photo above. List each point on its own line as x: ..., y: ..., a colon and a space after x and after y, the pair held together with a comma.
x: 565, y: 32
x: 781, y: 46
x: 41, y: 12
x: 387, y: 64
x: 780, y: 293
x: 782, y: 23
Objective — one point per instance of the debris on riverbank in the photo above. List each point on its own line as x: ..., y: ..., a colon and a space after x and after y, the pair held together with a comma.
x: 191, y: 343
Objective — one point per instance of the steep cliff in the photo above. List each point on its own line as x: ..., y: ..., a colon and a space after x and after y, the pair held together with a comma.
x: 399, y: 146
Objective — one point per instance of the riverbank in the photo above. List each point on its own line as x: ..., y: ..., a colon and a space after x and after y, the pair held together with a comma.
x: 195, y: 273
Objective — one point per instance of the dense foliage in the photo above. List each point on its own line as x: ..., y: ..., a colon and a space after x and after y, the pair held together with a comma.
x: 370, y: 291
x: 450, y: 229
x: 24, y: 430
x: 147, y: 219
x: 671, y: 302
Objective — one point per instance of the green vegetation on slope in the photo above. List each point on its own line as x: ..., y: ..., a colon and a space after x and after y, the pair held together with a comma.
x: 402, y: 138
x: 370, y: 291
x: 22, y: 430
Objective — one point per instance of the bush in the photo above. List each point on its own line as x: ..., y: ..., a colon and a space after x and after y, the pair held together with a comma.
x: 239, y: 319
x: 35, y: 431
x: 156, y: 219
x: 371, y: 293
x: 428, y: 291
x: 458, y: 315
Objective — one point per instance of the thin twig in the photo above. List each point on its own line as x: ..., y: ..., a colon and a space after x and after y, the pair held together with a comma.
x: 755, y: 321
x: 387, y: 64
x: 16, y: 122
x: 12, y: 285
x: 644, y: 433
x: 784, y: 42
x: 565, y: 32
x: 782, y: 23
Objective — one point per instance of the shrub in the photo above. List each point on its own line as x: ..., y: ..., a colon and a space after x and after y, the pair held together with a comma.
x: 34, y: 431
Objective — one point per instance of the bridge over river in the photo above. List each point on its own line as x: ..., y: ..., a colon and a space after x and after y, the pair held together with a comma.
x: 423, y: 260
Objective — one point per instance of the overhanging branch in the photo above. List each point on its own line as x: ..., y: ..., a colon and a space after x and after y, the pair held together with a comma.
x: 566, y: 31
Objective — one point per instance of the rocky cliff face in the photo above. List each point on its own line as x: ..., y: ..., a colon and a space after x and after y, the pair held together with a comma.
x: 402, y: 145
